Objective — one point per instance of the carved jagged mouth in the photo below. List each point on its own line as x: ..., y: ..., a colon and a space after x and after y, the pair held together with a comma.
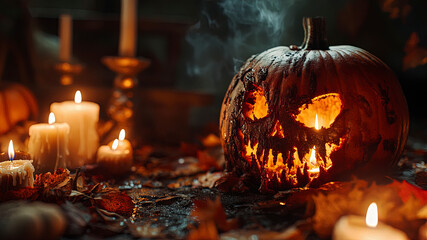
x: 276, y: 161
x: 289, y: 167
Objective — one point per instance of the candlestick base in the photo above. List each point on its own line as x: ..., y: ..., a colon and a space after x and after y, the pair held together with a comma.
x: 122, y: 102
x: 68, y: 71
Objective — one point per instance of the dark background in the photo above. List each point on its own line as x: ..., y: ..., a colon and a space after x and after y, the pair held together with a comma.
x: 196, y: 46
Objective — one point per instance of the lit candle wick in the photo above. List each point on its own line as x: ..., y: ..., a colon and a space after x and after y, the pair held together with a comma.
x: 78, y: 97
x: 122, y: 135
x: 372, y: 215
x: 51, y: 118
x: 11, y: 152
x: 115, y: 144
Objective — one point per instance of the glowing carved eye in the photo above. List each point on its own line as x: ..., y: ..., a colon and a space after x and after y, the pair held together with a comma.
x: 255, y: 104
x: 327, y: 107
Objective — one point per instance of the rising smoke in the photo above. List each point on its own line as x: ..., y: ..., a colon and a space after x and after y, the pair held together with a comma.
x: 229, y: 32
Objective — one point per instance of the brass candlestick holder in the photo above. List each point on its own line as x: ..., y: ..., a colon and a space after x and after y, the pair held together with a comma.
x: 122, y: 103
x: 68, y: 71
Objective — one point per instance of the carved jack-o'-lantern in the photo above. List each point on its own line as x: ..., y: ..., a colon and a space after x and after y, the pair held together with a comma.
x: 301, y: 116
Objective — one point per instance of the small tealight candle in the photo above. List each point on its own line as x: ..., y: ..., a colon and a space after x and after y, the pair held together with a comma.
x: 15, y: 174
x: 48, y: 145
x: 83, y: 138
x: 114, y: 160
x: 357, y: 228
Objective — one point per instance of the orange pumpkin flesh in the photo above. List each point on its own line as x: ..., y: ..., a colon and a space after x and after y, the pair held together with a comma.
x: 17, y: 104
x: 268, y: 116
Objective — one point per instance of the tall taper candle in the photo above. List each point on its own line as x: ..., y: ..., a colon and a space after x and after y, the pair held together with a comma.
x: 65, y: 37
x: 128, y: 26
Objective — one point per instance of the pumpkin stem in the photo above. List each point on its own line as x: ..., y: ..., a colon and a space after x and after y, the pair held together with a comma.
x: 315, y: 37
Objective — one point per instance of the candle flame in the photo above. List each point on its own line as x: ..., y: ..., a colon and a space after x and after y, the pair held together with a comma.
x: 115, y: 144
x: 372, y: 215
x: 11, y: 152
x: 78, y: 97
x: 51, y: 118
x: 313, y: 151
x: 122, y: 135
x: 316, y: 123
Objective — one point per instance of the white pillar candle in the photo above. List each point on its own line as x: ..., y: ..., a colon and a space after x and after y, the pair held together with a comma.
x: 128, y: 26
x: 48, y: 145
x: 15, y: 174
x: 358, y: 228
x: 115, y: 160
x: 83, y: 138
x: 65, y: 37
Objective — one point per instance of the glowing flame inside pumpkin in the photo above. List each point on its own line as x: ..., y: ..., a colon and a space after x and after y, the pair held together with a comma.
x: 313, y: 159
x: 323, y: 109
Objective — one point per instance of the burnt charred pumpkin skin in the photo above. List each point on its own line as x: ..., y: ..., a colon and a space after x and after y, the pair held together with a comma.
x: 371, y: 129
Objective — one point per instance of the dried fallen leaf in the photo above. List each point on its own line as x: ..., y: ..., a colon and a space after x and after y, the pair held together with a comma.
x: 167, y: 200
x: 23, y: 193
x: 406, y: 190
x: 209, y: 210
x: 208, y: 179
x: 205, y: 230
x: 230, y: 182
x: 58, y: 179
x: 117, y: 202
x: 207, y: 162
x: 211, y: 140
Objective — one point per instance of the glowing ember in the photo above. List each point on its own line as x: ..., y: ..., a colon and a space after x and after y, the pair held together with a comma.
x: 51, y: 118
x: 11, y: 151
x: 372, y: 215
x: 122, y: 135
x: 78, y: 97
x: 115, y: 144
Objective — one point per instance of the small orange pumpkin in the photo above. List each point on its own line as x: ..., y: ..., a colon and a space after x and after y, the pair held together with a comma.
x: 17, y: 103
